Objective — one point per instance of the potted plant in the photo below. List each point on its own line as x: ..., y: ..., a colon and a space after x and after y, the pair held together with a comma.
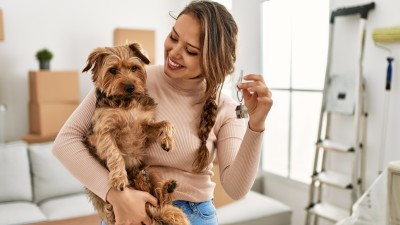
x: 44, y: 56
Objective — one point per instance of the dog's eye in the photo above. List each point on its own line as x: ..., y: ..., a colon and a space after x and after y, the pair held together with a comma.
x: 113, y: 71
x: 134, y: 68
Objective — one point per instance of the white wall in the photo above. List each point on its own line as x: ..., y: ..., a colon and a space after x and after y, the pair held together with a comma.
x: 71, y: 29
x: 248, y: 18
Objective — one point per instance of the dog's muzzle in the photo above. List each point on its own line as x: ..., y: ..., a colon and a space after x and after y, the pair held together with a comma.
x: 129, y: 88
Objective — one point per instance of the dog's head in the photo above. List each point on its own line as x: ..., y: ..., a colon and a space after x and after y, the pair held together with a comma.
x: 118, y: 71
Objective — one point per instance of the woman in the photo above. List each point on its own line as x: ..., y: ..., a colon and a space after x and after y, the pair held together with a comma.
x: 199, y: 53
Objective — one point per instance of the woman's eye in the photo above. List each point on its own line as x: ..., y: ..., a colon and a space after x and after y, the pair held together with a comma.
x: 113, y: 71
x: 172, y: 38
x: 191, y: 53
x: 134, y: 68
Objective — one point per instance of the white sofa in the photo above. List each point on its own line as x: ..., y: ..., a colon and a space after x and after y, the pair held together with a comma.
x: 36, y: 187
x: 255, y: 209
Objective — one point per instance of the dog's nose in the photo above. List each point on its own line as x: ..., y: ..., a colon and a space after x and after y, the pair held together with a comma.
x: 129, y: 88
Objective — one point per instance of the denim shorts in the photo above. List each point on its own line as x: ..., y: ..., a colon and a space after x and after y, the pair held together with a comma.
x: 198, y: 213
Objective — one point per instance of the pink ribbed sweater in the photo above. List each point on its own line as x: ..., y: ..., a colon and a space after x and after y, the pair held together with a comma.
x: 237, y: 148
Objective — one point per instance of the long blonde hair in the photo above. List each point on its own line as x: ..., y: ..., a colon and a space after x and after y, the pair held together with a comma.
x: 218, y: 40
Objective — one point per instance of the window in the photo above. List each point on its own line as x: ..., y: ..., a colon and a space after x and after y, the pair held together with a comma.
x: 294, y: 48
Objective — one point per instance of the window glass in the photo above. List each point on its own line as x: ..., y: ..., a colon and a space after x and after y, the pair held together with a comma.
x: 276, y: 44
x: 310, y: 31
x: 305, y: 119
x: 294, y: 55
x: 276, y: 138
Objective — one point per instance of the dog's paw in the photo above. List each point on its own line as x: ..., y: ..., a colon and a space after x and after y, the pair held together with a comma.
x: 169, y: 186
x: 165, y: 138
x: 165, y: 147
x: 119, y: 183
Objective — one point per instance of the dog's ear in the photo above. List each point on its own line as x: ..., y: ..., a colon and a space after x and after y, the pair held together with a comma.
x: 95, y: 60
x: 135, y: 47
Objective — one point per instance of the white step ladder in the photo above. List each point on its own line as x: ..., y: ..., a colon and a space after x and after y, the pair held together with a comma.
x: 344, y: 96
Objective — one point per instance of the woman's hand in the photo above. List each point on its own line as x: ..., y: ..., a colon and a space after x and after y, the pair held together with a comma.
x: 258, y: 100
x: 129, y: 206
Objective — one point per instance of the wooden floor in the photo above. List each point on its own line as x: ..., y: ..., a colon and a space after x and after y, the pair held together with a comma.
x: 84, y: 220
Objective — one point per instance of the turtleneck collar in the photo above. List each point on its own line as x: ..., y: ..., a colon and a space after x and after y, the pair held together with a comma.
x: 193, y: 86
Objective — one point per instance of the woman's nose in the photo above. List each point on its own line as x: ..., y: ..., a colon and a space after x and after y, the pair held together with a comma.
x: 176, y: 52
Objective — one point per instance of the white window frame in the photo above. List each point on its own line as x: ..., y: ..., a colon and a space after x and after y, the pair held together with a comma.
x: 292, y: 32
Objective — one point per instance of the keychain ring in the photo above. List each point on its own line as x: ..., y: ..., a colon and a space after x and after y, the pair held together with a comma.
x: 237, y: 95
x: 241, y: 110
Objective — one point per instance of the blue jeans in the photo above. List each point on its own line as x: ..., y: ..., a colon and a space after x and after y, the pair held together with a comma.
x: 198, y: 213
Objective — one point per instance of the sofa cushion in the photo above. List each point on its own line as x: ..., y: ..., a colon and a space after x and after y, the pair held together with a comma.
x: 14, y: 173
x: 50, y: 177
x: 67, y: 207
x: 254, y: 209
x: 20, y: 213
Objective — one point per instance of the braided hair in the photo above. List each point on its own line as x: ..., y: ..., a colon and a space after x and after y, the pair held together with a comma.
x: 218, y: 40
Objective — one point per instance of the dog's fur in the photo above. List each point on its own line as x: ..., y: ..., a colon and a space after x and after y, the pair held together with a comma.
x: 123, y: 127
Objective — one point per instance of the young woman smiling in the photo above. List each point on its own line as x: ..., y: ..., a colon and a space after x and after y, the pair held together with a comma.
x: 200, y: 51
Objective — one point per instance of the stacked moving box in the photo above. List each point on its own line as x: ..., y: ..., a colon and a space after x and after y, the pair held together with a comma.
x: 54, y: 95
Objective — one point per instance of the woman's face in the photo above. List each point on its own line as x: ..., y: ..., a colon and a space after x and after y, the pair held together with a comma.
x: 182, y: 49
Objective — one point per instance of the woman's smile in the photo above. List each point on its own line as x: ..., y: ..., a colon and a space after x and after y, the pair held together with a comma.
x: 173, y: 65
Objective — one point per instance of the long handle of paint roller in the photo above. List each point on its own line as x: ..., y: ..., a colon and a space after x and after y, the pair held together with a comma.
x: 382, y: 156
x: 385, y: 35
x: 389, y: 73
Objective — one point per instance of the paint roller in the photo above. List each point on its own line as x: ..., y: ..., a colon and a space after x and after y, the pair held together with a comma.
x: 387, y: 35
x: 383, y: 36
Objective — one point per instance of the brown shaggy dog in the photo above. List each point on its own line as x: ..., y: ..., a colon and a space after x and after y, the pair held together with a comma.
x: 123, y: 126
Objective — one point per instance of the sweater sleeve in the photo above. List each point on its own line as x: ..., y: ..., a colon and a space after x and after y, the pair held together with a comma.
x: 72, y: 153
x: 239, y: 176
x: 238, y: 152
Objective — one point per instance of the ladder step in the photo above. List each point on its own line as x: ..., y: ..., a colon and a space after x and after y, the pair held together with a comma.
x: 336, y: 179
x: 329, y: 212
x: 336, y: 146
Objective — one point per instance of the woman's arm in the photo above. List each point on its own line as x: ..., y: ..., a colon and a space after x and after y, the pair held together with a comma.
x: 238, y: 165
x: 239, y: 170
x: 70, y: 150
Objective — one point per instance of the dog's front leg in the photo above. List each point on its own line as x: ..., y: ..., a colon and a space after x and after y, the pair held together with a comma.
x: 108, y: 151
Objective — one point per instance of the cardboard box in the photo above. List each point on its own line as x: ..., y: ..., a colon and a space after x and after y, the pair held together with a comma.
x: 1, y: 26
x: 221, y: 198
x: 46, y: 86
x: 47, y: 119
x: 144, y: 37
